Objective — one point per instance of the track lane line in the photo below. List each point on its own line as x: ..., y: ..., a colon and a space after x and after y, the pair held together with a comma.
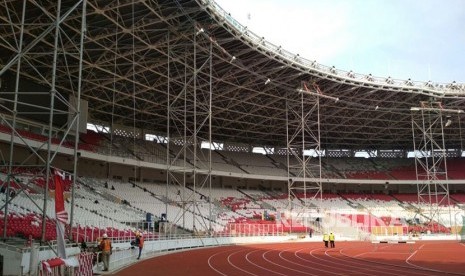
x: 210, y: 260
x: 412, y: 270
x: 264, y: 268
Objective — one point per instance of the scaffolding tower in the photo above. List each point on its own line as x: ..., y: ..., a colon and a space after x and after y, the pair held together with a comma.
x: 41, y: 86
x: 189, y: 118
x: 428, y: 123
x: 303, y: 145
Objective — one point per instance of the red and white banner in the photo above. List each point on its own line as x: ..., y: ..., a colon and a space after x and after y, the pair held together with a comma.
x: 52, y: 263
x: 60, y: 212
x: 85, y: 264
x: 55, y: 266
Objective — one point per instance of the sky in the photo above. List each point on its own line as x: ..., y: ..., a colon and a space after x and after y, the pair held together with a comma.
x: 418, y: 39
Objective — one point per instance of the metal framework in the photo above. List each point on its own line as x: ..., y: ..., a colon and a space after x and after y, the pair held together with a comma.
x: 244, y: 110
x: 41, y: 50
x: 188, y: 167
x: 428, y: 123
x: 303, y: 145
x: 187, y: 71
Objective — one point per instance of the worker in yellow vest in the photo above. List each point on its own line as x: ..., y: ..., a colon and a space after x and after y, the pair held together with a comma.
x: 331, y: 240
x: 326, y: 239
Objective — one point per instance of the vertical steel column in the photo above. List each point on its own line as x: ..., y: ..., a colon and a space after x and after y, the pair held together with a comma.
x: 209, y: 175
x: 78, y: 116
x: 50, y: 125
x: 194, y: 130
x: 185, y: 144
x: 168, y: 120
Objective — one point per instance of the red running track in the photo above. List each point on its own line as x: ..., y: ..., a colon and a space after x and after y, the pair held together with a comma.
x: 305, y: 258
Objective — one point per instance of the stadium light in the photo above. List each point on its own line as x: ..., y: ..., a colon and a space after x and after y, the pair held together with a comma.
x: 200, y: 31
x: 448, y: 123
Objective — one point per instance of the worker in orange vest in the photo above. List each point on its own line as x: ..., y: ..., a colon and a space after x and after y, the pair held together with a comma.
x: 107, y: 250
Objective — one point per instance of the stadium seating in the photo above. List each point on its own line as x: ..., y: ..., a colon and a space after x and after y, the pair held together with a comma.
x: 240, y: 212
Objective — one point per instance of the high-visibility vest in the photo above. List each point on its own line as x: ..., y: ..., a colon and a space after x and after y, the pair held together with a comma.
x: 331, y: 237
x: 325, y: 237
x: 105, y: 244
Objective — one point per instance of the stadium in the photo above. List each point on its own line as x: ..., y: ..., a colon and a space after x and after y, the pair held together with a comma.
x: 228, y: 153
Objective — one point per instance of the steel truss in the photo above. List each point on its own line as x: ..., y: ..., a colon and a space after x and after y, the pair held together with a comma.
x: 188, y: 128
x: 431, y: 156
x: 40, y: 35
x: 303, y: 145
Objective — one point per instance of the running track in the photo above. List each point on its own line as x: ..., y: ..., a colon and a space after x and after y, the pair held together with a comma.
x: 305, y: 258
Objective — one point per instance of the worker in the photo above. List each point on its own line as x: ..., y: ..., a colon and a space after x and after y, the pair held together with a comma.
x: 140, y: 243
x: 326, y: 239
x: 331, y: 240
x: 107, y: 250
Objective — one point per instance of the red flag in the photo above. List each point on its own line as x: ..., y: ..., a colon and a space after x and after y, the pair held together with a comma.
x: 60, y: 213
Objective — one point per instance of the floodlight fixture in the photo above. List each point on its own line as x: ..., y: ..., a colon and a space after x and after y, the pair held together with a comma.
x: 201, y: 30
x: 453, y: 85
x: 448, y: 123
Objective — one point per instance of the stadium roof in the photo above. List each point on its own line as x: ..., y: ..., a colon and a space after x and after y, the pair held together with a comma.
x: 133, y: 49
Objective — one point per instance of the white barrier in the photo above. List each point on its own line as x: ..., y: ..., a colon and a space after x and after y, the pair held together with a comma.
x: 123, y: 255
